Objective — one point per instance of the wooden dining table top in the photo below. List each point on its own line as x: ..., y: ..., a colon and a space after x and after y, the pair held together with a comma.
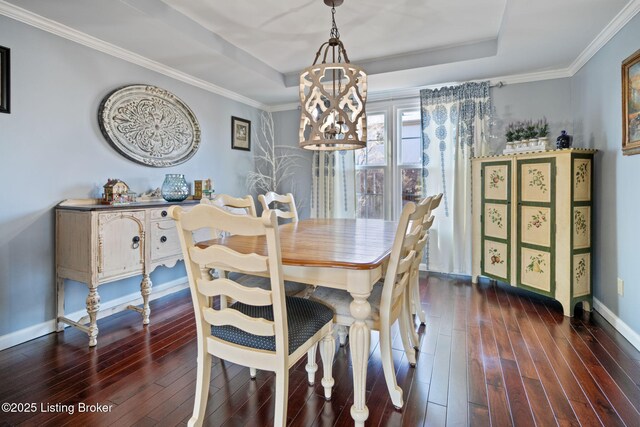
x: 359, y: 244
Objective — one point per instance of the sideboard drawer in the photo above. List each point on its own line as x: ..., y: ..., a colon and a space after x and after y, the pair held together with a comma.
x: 163, y: 240
x: 159, y: 214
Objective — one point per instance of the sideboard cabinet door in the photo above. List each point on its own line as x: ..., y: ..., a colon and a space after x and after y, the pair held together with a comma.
x: 120, y: 244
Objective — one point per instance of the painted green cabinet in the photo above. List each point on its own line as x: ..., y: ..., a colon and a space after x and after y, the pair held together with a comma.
x: 534, y: 226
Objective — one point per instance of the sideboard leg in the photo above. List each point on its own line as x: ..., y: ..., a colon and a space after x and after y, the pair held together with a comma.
x: 145, y: 291
x: 59, y: 303
x: 93, y: 305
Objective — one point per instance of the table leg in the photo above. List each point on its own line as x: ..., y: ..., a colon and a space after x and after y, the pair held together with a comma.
x: 145, y: 291
x: 60, y: 302
x: 359, y: 341
x: 93, y: 305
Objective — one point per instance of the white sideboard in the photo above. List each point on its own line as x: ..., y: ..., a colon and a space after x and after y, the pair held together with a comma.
x: 98, y: 244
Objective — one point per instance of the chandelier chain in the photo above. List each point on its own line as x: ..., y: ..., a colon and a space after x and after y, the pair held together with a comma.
x: 334, y: 27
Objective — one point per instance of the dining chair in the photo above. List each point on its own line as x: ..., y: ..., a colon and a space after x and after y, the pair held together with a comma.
x: 264, y: 328
x: 416, y: 306
x: 388, y: 300
x: 267, y: 199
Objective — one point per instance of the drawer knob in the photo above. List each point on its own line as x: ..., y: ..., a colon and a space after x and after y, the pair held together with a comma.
x: 163, y: 213
x: 163, y: 239
x: 136, y: 242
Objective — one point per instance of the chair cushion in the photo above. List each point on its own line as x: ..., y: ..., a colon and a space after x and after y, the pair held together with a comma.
x: 304, y: 318
x: 340, y: 300
x: 290, y: 288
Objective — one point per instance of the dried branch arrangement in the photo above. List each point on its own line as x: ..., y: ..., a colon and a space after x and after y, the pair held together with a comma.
x: 275, y: 165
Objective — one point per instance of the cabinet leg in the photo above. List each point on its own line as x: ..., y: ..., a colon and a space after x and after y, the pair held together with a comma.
x: 93, y: 305
x: 145, y: 291
x: 59, y: 303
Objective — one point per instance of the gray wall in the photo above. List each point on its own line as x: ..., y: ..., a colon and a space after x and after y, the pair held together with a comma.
x: 51, y: 149
x: 287, y: 124
x: 532, y: 101
x: 597, y: 107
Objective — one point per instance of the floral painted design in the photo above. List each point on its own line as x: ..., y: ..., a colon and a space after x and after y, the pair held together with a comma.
x: 581, y: 173
x: 537, y: 220
x: 537, y: 179
x: 580, y: 222
x: 495, y: 217
x: 536, y: 263
x: 495, y: 256
x: 495, y: 178
x: 581, y: 269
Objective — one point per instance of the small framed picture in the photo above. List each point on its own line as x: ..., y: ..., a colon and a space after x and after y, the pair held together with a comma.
x: 5, y: 87
x: 240, y: 134
x: 631, y: 104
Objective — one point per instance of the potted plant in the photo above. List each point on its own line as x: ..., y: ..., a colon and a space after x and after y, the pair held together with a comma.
x: 518, y: 133
x: 531, y: 133
x: 543, y: 132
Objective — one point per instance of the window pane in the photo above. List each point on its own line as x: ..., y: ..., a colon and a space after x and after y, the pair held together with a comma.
x: 410, y: 141
x: 411, y: 185
x: 374, y: 154
x: 370, y: 193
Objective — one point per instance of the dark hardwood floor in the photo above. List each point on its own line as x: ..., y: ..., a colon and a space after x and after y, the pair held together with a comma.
x: 489, y: 355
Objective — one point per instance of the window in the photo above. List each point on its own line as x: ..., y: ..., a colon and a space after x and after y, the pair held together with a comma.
x: 388, y: 171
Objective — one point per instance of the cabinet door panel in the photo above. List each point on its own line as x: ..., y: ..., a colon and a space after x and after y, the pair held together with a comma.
x: 581, y: 179
x: 536, y: 267
x: 535, y: 225
x: 118, y: 251
x: 581, y: 227
x: 495, y: 224
x: 535, y: 181
x: 581, y: 274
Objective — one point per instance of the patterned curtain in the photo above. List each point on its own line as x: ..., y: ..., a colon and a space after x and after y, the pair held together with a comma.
x: 333, y: 192
x: 455, y: 128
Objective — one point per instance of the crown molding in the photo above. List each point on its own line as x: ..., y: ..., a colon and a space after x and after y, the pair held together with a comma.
x: 61, y: 30
x: 617, y: 23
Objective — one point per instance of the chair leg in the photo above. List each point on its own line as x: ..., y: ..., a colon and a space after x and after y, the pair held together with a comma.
x: 282, y: 396
x: 410, y: 303
x: 342, y: 335
x: 405, y: 333
x: 327, y: 351
x: 312, y: 366
x: 387, y: 364
x: 253, y: 372
x: 203, y: 379
x: 416, y: 307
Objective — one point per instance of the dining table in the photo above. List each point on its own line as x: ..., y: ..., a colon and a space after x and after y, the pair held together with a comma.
x: 347, y: 254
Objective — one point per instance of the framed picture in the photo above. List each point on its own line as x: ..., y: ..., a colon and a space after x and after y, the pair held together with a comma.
x: 631, y: 104
x: 4, y: 80
x: 240, y: 134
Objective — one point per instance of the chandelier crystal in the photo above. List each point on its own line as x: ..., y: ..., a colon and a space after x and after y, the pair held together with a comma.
x: 332, y: 97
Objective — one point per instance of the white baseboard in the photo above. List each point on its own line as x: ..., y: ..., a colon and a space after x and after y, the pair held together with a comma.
x: 106, y: 309
x: 625, y: 330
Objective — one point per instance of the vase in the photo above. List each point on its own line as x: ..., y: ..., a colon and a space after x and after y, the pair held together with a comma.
x: 175, y: 187
x: 563, y: 141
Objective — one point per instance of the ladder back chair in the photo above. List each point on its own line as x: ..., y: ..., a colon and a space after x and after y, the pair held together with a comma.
x: 263, y: 329
x: 388, y: 300
x: 287, y: 200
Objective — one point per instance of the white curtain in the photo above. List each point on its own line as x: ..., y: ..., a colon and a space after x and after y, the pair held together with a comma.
x: 333, y: 193
x: 455, y: 128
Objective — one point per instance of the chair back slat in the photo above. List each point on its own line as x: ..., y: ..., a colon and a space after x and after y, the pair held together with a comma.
x: 249, y: 296
x: 228, y: 316
x: 201, y: 217
x: 225, y: 257
x: 237, y: 205
x: 286, y: 199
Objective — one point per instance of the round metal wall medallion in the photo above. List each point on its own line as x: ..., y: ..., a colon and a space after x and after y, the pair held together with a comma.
x: 149, y: 125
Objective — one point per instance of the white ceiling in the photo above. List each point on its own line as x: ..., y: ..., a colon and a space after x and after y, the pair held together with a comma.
x: 256, y: 48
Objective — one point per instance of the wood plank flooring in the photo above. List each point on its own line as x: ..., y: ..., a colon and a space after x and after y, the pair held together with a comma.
x: 489, y: 355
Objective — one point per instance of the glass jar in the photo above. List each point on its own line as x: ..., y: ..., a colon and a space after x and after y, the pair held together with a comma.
x: 175, y: 187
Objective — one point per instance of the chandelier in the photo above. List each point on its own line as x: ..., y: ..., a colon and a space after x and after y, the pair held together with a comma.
x: 332, y: 96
